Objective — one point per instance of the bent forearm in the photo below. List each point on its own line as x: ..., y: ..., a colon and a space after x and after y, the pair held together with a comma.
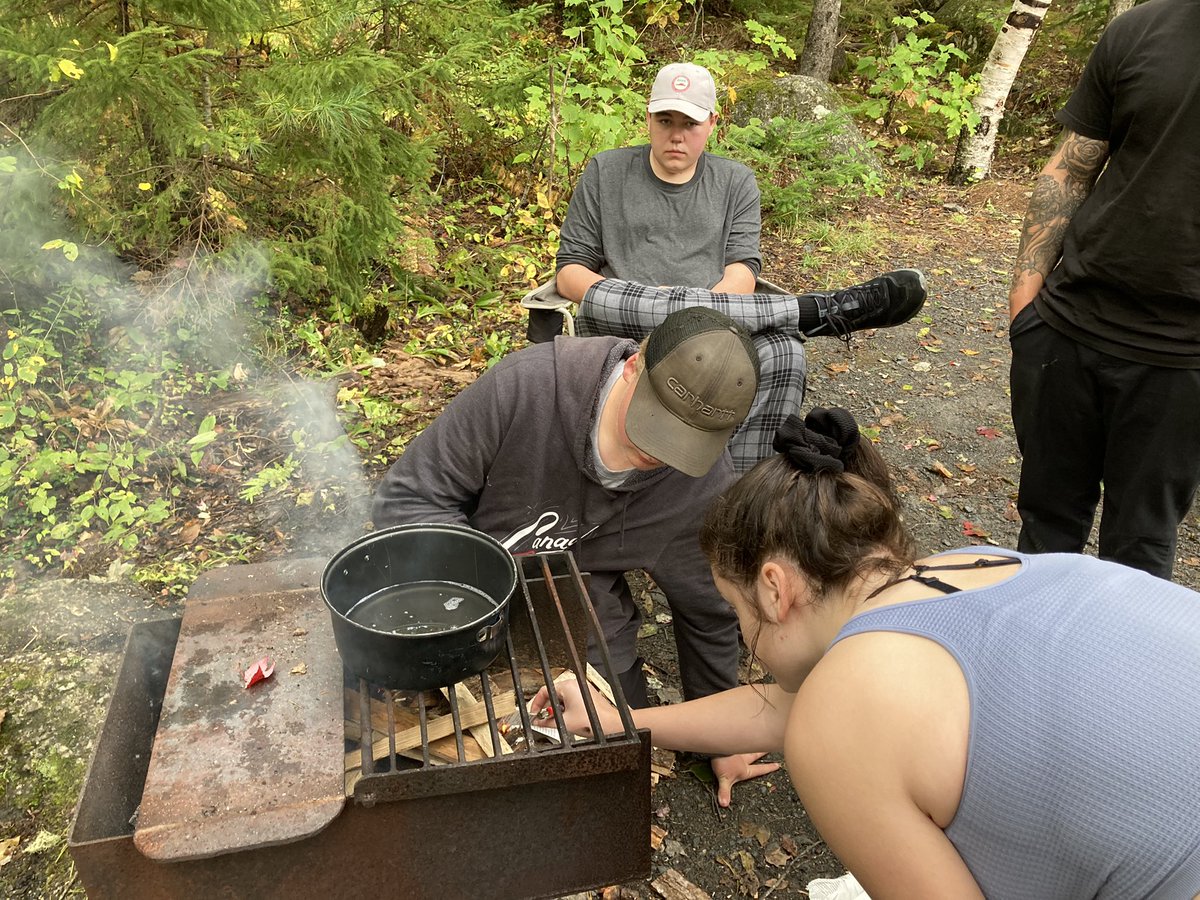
x: 737, y: 279
x: 627, y: 309
x: 1063, y: 185
x: 574, y: 280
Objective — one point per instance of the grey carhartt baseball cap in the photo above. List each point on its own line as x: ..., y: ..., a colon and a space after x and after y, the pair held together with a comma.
x: 686, y: 88
x: 700, y: 377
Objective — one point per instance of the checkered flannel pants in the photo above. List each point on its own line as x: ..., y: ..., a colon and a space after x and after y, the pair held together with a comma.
x: 628, y: 310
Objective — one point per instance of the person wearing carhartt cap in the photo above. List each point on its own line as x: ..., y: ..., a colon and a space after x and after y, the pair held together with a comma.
x: 699, y: 374
x: 610, y: 450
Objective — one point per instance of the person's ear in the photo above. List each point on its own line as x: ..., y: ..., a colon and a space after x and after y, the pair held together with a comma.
x: 629, y: 372
x: 775, y: 591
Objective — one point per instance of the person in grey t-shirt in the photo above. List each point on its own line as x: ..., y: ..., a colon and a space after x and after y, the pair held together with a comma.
x: 666, y: 213
x: 653, y: 227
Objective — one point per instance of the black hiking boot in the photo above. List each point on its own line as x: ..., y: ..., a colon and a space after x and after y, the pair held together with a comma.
x: 890, y: 299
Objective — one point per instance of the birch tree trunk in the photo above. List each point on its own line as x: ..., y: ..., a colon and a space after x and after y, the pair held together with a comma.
x: 973, y: 158
x: 816, y: 59
x: 1116, y: 7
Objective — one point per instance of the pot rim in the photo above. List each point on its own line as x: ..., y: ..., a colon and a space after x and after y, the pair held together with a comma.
x: 500, y: 610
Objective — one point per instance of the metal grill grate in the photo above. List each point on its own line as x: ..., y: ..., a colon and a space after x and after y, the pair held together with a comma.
x: 550, y: 621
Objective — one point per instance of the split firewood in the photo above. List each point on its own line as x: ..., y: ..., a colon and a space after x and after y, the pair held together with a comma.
x: 673, y: 886
x: 657, y: 835
x: 438, y: 727
x: 482, y: 732
x: 404, y: 717
x: 600, y: 683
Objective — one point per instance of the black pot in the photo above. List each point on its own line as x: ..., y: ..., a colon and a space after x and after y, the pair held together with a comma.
x: 417, y: 607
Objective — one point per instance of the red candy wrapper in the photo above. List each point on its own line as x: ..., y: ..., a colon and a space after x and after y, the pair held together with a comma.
x: 260, y: 671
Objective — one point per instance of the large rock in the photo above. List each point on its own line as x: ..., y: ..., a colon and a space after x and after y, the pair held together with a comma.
x: 804, y: 99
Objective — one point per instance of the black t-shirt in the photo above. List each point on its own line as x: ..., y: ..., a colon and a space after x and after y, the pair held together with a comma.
x: 1128, y: 283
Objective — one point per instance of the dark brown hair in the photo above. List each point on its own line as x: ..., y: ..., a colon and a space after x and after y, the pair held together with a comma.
x: 825, y: 503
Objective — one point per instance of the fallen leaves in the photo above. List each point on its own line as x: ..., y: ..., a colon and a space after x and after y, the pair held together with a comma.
x: 777, y: 857
x: 8, y: 848
x: 988, y: 431
x: 190, y: 532
x: 939, y: 468
x: 758, y: 832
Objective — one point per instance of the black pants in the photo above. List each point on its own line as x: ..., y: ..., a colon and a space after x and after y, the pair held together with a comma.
x: 1083, y: 419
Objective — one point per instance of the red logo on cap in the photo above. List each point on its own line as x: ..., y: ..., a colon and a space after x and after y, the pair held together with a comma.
x: 681, y: 83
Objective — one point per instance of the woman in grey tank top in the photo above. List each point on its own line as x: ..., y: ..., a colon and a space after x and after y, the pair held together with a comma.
x: 980, y: 723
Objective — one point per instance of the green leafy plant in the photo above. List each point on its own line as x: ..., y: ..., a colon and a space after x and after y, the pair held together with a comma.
x: 919, y: 78
x: 800, y: 173
x: 496, y: 346
x: 272, y: 478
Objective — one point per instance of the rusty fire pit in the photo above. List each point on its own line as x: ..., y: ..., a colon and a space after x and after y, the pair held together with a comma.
x: 200, y: 786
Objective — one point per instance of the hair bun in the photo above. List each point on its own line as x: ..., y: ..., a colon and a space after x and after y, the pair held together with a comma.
x: 821, y: 443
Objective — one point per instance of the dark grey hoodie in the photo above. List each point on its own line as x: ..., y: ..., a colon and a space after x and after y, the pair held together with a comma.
x: 511, y: 456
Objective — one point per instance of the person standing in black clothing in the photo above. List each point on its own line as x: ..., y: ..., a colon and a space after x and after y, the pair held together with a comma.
x: 1105, y: 302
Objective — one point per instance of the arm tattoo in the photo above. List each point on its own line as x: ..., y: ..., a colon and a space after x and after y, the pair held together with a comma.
x: 1059, y: 191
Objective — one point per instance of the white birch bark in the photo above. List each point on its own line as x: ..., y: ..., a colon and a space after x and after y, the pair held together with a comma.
x: 1116, y: 7
x: 973, y: 158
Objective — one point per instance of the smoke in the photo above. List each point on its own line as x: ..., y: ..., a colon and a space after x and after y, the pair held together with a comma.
x: 211, y: 310
x: 328, y: 458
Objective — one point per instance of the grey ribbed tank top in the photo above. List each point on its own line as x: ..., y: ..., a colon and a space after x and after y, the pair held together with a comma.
x: 1083, y: 769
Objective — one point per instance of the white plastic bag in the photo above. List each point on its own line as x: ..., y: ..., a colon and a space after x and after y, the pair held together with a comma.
x: 844, y: 888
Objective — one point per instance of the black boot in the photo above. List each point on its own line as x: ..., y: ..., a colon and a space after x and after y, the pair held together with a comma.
x: 890, y: 299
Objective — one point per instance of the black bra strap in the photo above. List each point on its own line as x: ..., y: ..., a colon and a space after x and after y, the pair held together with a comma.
x: 930, y: 581
x: 975, y: 564
x: 936, y: 583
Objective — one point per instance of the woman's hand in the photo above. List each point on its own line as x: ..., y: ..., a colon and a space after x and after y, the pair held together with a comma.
x: 573, y: 709
x: 729, y: 770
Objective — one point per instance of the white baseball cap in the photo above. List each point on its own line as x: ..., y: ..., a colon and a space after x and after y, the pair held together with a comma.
x: 685, y: 88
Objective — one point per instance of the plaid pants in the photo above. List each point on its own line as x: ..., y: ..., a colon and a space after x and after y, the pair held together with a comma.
x: 629, y: 310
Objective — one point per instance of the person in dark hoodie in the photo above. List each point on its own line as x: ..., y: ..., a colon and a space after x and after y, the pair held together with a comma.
x: 612, y: 450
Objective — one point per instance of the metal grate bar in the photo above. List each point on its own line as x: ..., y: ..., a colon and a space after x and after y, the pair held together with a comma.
x: 493, y: 727
x: 391, y: 717
x: 579, y: 666
x: 424, y: 728
x: 542, y: 657
x: 522, y: 703
x: 605, y: 658
x: 365, y: 734
x: 457, y: 719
